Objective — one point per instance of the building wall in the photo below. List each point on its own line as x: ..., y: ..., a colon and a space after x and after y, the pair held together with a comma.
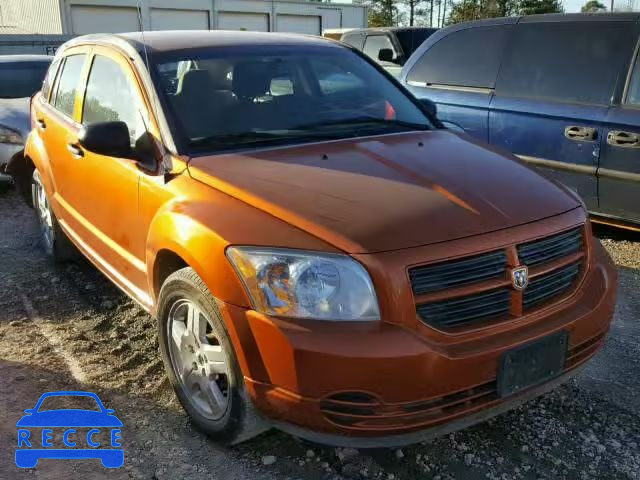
x: 32, y: 16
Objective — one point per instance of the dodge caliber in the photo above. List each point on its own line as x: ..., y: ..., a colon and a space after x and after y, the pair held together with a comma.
x: 321, y: 255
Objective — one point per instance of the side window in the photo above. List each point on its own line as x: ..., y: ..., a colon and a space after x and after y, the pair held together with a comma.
x: 49, y: 78
x: 466, y: 58
x: 354, y: 39
x: 110, y: 97
x: 570, y: 62
x: 67, y: 85
x: 374, y: 43
x: 633, y: 97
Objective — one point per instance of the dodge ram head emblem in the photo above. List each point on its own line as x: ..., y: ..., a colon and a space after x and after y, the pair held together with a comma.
x: 520, y: 278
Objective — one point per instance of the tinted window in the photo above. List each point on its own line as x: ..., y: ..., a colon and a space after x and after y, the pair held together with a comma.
x: 353, y: 39
x: 466, y: 58
x: 280, y: 95
x: 68, y: 84
x: 572, y: 62
x: 49, y: 79
x: 410, y: 40
x: 374, y: 43
x: 21, y: 79
x: 633, y: 97
x: 110, y: 97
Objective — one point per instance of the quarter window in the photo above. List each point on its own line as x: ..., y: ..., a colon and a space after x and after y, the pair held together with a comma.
x: 110, y: 97
x: 466, y: 58
x: 374, y: 43
x: 50, y: 77
x: 570, y: 62
x: 353, y: 39
x: 68, y: 82
x: 633, y: 97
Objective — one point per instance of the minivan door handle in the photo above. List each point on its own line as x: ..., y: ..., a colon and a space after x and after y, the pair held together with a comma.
x: 623, y: 139
x: 75, y: 150
x: 580, y: 133
x: 42, y: 125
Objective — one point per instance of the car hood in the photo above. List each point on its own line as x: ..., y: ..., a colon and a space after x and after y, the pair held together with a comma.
x: 387, y: 192
x: 14, y: 113
x: 69, y: 418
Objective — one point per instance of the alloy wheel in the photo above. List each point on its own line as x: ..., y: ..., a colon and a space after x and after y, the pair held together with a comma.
x: 198, y: 359
x: 44, y: 215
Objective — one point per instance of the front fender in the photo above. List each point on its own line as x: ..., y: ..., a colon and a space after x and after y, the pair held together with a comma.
x: 175, y: 230
x: 35, y: 151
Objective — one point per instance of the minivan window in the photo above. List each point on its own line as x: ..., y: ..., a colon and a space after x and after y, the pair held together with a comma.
x: 277, y: 95
x: 374, y: 43
x: 633, y: 97
x: 67, y: 85
x: 466, y: 58
x: 571, y: 62
x: 109, y: 97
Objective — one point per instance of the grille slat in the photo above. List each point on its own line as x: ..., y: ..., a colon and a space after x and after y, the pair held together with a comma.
x: 549, y: 286
x: 473, y: 308
x: 550, y: 248
x: 433, y: 278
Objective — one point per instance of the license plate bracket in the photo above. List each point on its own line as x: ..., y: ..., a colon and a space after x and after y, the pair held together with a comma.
x: 532, y: 364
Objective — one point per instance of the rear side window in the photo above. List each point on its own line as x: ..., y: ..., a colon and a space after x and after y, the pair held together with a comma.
x: 354, y: 39
x: 49, y: 78
x: 466, y: 58
x: 374, y: 43
x: 68, y: 82
x: 571, y: 62
x: 110, y: 97
x: 633, y: 97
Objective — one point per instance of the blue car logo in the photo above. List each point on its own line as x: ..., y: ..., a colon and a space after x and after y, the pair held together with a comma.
x: 32, y: 446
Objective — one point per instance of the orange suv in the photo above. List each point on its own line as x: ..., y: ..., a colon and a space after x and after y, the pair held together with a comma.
x: 320, y: 254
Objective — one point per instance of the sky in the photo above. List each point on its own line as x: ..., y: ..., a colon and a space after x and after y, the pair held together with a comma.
x: 573, y: 5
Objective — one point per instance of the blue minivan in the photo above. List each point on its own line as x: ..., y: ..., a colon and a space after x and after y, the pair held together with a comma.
x: 562, y: 92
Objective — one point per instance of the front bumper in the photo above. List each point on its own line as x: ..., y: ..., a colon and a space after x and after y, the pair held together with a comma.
x: 377, y: 384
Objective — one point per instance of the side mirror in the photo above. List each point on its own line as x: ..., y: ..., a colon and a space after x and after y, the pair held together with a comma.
x: 144, y: 151
x: 107, y: 138
x: 386, y: 55
x: 429, y: 106
x: 29, y: 411
x: 109, y: 411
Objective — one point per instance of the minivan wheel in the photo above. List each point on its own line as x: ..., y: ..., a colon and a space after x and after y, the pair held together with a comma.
x: 55, y: 242
x: 200, y: 360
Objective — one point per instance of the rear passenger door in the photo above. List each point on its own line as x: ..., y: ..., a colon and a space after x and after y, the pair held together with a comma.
x: 619, y: 172
x: 551, y: 99
x: 458, y: 72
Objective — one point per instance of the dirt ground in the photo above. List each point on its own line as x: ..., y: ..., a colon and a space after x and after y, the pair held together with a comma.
x: 66, y: 327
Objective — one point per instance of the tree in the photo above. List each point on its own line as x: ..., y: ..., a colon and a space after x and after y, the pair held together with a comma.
x: 534, y: 7
x: 414, y: 10
x: 593, y: 6
x: 382, y: 13
x: 468, y: 10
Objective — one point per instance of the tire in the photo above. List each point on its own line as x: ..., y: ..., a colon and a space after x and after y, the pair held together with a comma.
x: 229, y: 419
x: 55, y: 242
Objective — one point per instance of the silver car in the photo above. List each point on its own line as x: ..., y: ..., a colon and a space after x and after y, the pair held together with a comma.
x: 20, y: 77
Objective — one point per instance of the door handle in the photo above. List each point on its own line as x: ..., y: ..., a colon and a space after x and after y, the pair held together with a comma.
x: 75, y: 150
x: 587, y: 134
x: 623, y: 139
x: 42, y: 125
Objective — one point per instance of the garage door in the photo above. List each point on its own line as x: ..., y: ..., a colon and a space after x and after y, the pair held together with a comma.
x: 91, y: 19
x: 257, y: 22
x: 309, y: 24
x: 175, y: 19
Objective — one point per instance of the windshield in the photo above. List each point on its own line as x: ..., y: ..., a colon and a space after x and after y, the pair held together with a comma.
x: 236, y: 97
x: 63, y: 402
x: 21, y: 79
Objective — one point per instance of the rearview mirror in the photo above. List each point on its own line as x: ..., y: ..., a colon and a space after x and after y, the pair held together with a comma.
x: 107, y: 138
x: 429, y: 106
x: 386, y: 55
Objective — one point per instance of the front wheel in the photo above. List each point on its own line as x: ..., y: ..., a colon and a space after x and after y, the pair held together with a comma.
x: 200, y: 360
x: 53, y: 239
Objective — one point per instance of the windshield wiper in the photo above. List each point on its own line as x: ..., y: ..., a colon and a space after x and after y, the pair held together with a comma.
x: 363, y: 120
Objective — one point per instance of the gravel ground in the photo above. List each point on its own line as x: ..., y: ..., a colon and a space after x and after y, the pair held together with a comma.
x: 69, y: 328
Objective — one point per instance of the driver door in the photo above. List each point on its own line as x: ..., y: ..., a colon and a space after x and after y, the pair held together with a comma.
x: 105, y: 197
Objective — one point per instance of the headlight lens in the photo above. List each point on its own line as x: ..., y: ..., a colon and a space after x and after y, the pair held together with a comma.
x: 305, y: 285
x: 10, y: 136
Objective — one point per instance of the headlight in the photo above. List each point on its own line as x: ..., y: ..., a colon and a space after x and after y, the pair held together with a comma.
x: 10, y: 136
x: 290, y: 283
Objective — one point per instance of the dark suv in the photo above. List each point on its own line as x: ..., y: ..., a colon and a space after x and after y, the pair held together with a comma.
x: 390, y: 47
x: 560, y: 91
